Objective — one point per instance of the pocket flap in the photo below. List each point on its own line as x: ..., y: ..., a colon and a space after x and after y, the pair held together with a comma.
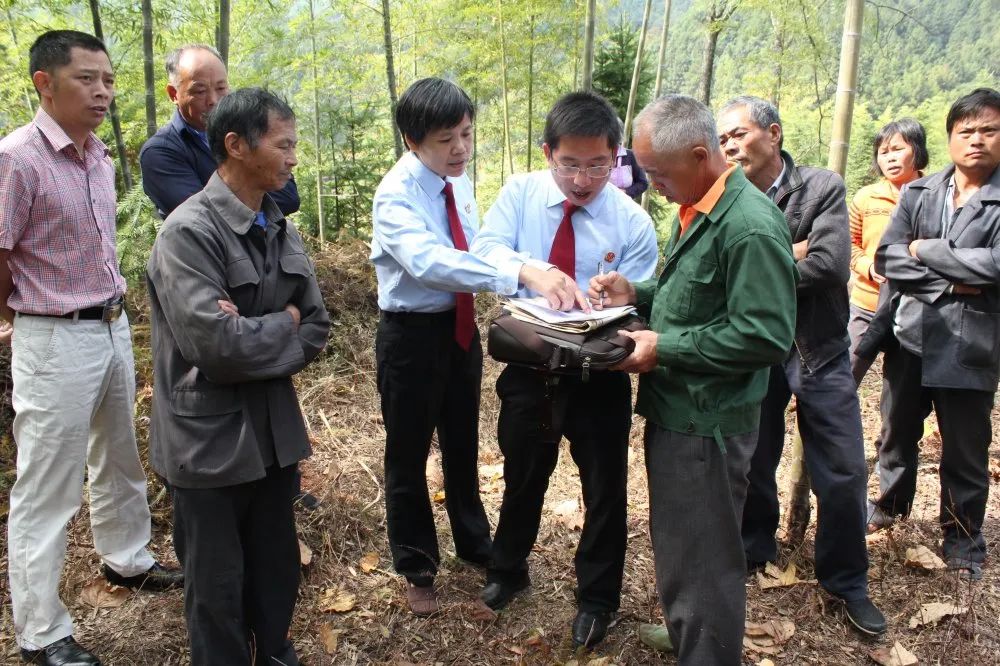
x: 200, y: 402
x: 297, y: 263
x: 241, y: 272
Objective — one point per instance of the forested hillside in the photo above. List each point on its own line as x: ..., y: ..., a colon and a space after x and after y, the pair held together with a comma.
x: 515, y: 57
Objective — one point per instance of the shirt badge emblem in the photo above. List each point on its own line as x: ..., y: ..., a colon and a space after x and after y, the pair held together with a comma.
x: 468, y: 209
x: 609, y: 257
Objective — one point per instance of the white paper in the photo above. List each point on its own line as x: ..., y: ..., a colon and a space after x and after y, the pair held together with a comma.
x: 538, y: 307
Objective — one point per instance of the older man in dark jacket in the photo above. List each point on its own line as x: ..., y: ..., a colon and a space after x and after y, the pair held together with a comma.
x: 177, y: 162
x: 817, y: 370
x: 939, y: 324
x: 236, y: 311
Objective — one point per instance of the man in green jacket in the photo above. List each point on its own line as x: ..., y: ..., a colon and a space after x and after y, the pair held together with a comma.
x: 720, y: 314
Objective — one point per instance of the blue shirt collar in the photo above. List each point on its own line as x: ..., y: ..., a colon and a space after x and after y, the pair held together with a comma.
x: 430, y: 182
x: 180, y: 124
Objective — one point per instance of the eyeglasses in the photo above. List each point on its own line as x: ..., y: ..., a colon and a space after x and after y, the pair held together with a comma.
x: 595, y: 172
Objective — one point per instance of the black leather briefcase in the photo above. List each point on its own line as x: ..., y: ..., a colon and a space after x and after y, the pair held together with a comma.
x: 518, y: 342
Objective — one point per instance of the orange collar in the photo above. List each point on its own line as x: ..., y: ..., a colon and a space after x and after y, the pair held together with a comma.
x: 707, y: 202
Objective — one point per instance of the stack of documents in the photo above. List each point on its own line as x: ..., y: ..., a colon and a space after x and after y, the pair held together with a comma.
x: 537, y: 311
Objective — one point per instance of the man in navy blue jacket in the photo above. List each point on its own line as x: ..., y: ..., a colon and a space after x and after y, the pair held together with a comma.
x: 176, y: 162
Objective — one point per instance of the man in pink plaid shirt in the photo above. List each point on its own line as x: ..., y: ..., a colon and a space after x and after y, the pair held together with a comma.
x: 72, y: 367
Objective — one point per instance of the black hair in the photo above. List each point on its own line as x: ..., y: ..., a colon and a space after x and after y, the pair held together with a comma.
x: 972, y: 105
x: 913, y: 134
x: 431, y: 104
x: 246, y: 113
x: 52, y: 49
x: 582, y: 114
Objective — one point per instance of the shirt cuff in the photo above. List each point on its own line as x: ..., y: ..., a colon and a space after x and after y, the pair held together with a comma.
x: 508, y: 274
x: 667, y: 347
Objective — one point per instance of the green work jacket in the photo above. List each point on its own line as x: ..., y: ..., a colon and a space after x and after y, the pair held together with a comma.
x: 724, y: 312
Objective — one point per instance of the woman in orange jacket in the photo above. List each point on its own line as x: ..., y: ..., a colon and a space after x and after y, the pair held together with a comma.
x: 899, y: 155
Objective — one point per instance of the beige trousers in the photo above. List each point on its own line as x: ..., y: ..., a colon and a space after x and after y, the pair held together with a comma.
x: 74, y: 394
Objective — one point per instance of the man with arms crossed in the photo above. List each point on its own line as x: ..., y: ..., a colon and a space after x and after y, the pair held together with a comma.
x: 722, y: 311
x: 573, y: 217
x: 236, y: 311
x: 816, y: 368
x: 72, y: 367
x: 939, y: 325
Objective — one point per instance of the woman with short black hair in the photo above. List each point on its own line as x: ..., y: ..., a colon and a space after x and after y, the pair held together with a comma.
x: 899, y: 155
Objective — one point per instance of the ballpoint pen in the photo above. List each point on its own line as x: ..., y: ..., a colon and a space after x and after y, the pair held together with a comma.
x: 600, y: 271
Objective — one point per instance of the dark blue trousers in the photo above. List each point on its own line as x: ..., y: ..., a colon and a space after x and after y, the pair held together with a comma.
x: 829, y: 421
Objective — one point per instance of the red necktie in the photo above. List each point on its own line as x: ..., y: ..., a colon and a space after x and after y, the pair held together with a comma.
x: 465, y: 313
x: 563, y: 253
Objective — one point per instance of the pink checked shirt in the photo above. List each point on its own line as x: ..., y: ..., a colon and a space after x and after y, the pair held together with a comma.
x: 57, y: 217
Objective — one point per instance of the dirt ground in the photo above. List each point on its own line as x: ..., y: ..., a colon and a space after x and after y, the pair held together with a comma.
x: 352, y: 608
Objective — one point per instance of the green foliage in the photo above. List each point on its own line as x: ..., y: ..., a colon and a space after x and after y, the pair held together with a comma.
x: 916, y: 58
x: 137, y: 226
x: 614, y: 63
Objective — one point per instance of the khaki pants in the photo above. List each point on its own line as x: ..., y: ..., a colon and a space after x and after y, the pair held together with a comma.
x: 74, y: 394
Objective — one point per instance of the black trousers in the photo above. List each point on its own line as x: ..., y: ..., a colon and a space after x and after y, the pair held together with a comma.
x: 595, y: 416
x: 829, y: 420
x: 241, y: 569
x: 427, y: 383
x: 964, y: 419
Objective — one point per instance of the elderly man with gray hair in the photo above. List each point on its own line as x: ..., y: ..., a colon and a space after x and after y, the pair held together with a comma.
x: 720, y: 314
x: 176, y: 162
x: 816, y: 368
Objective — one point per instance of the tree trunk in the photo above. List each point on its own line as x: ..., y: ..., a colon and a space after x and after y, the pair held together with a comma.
x: 116, y: 124
x: 850, y: 48
x: 636, y: 72
x: 147, y: 66
x: 797, y: 520
x: 17, y: 47
x: 317, y: 137
x: 390, y: 73
x: 503, y: 84
x: 708, y: 66
x: 588, y: 46
x: 658, y: 87
x: 718, y: 14
x: 531, y: 84
x: 475, y: 145
x: 779, y: 49
x: 222, y: 31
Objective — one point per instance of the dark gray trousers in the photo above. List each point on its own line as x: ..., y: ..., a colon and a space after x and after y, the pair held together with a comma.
x: 857, y: 326
x: 240, y: 555
x: 696, y: 495
x: 964, y: 419
x: 829, y: 420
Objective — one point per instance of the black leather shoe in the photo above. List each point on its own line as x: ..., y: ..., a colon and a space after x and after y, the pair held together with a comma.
x: 307, y: 501
x: 64, y: 652
x: 498, y: 595
x: 865, y: 616
x: 157, y: 579
x: 589, y: 629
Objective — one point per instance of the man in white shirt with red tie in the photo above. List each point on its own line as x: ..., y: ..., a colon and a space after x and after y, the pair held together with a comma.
x: 427, y: 347
x: 571, y: 216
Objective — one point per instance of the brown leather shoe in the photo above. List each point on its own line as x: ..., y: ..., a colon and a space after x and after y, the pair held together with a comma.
x: 423, y: 600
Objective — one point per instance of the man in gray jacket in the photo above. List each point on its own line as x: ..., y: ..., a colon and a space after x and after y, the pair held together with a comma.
x: 817, y: 370
x: 939, y: 324
x: 236, y: 311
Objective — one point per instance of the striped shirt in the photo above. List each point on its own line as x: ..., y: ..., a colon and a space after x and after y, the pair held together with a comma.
x: 57, y: 218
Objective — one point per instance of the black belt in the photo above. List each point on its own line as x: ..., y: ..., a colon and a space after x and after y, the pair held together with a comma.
x: 106, y: 313
x: 419, y: 317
